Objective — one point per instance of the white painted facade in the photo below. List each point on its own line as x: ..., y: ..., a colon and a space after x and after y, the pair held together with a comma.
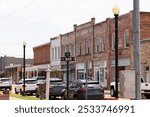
x: 100, y: 72
x: 55, y: 52
x: 81, y: 70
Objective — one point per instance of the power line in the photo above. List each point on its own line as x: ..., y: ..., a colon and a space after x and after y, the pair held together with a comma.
x: 26, y: 5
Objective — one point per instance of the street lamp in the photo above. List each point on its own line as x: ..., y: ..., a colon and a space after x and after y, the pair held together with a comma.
x: 24, y: 47
x: 67, y: 58
x: 116, y: 11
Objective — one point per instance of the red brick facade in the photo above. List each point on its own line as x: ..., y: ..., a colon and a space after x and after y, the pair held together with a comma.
x: 42, y: 54
x: 94, y: 43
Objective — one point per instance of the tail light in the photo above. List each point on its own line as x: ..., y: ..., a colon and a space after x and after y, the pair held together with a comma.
x: 82, y: 90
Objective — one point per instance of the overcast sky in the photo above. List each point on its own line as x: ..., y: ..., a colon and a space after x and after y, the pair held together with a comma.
x: 35, y: 21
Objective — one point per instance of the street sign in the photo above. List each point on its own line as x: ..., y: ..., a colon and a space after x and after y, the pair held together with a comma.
x: 67, y: 58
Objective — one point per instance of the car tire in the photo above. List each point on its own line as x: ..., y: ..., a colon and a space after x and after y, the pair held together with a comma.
x: 63, y: 97
x: 75, y: 97
x: 112, y: 92
x: 21, y: 92
x: 10, y: 88
x: 36, y: 94
x: 16, y: 91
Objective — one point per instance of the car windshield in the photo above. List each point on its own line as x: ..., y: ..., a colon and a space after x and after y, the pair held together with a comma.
x: 90, y: 82
x: 30, y: 81
x: 41, y: 78
x: 5, y: 80
x: 56, y: 82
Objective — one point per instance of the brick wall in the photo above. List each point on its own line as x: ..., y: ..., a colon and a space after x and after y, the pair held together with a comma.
x: 42, y: 54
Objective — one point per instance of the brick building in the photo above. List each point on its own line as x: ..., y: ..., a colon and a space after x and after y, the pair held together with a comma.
x: 41, y: 61
x: 68, y: 44
x: 84, y: 36
x: 95, y: 44
x: 42, y: 54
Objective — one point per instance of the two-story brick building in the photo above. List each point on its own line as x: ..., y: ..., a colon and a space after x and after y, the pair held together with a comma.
x: 95, y: 44
x: 68, y: 44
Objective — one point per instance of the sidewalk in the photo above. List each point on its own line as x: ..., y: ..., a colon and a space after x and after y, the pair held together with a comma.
x: 14, y: 98
x: 108, y: 97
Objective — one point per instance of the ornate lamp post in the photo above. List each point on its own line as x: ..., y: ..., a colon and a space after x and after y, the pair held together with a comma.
x: 67, y: 58
x: 116, y: 11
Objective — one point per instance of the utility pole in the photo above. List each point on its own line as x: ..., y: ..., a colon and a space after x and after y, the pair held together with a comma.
x: 136, y: 35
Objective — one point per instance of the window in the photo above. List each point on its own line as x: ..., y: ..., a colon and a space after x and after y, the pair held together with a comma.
x: 71, y: 50
x: 103, y: 43
x: 126, y: 38
x: 52, y: 54
x: 80, y: 74
x: 58, y: 53
x: 77, y: 49
x: 113, y: 41
x: 87, y: 46
x: 80, y: 48
x: 55, y: 53
x: 96, y: 45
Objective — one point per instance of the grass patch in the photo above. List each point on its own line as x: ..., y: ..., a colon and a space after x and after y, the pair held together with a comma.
x: 23, y: 97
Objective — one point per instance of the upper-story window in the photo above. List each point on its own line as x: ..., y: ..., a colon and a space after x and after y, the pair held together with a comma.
x: 62, y: 50
x: 58, y: 52
x: 87, y: 46
x: 71, y: 50
x: 77, y: 49
x: 126, y: 38
x: 96, y: 45
x: 113, y: 41
x: 55, y: 53
x: 103, y: 43
x: 52, y: 55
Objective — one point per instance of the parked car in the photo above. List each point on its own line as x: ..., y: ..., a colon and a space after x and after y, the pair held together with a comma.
x: 77, y: 90
x: 129, y: 75
x: 6, y: 83
x: 56, y: 87
x: 40, y: 79
x: 30, y: 86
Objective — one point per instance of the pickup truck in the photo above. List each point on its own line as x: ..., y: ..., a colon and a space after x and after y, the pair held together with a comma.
x: 145, y: 88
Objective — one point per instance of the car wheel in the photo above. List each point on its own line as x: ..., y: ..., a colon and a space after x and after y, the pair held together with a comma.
x: 21, y: 92
x: 63, y: 97
x: 16, y: 91
x: 75, y: 97
x: 112, y: 92
x: 10, y: 88
x: 36, y: 94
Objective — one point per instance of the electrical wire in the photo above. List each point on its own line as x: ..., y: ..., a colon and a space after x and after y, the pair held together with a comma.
x: 26, y: 5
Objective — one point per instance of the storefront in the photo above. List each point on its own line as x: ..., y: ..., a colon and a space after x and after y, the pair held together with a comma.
x: 100, y: 72
x: 81, y: 70
x: 71, y: 72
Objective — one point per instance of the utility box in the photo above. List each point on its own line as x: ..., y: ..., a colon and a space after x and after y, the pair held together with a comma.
x: 127, y: 84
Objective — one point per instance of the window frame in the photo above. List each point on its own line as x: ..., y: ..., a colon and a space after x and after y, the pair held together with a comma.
x: 126, y: 40
x: 113, y: 41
